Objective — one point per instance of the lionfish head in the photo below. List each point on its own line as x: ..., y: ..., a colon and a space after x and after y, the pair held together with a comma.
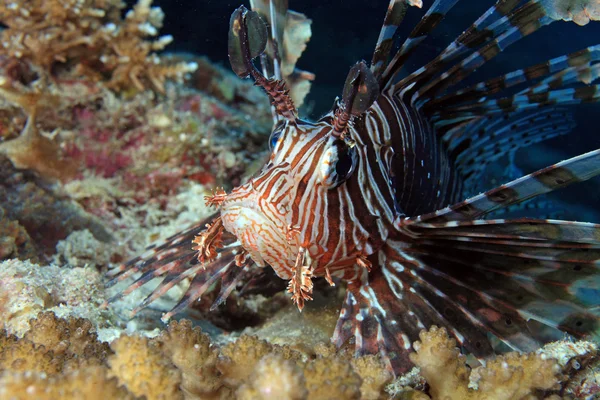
x: 283, y: 216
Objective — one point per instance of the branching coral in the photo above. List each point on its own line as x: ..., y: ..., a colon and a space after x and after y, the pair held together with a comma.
x: 332, y: 378
x: 373, y: 374
x: 193, y: 354
x: 289, y: 384
x: 64, y: 356
x: 512, y: 376
x: 90, y: 36
x: 91, y: 383
x: 142, y: 368
x: 239, y: 359
x: 52, y: 345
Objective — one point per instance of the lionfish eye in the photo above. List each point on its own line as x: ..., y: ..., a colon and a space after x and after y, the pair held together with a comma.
x: 339, y: 162
x: 276, y: 134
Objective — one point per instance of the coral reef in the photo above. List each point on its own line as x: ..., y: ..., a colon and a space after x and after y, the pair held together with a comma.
x: 105, y: 147
x: 58, y: 355
x: 511, y: 376
x: 14, y: 240
x: 26, y: 289
x: 579, y: 11
x: 90, y: 37
x: 140, y: 366
x: 46, y: 216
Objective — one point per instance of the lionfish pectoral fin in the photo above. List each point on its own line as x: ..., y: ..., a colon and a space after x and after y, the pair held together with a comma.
x: 505, y: 273
x: 384, y: 313
x: 562, y: 174
x: 177, y: 260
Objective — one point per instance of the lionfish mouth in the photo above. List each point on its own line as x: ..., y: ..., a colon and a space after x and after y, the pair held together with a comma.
x: 264, y: 241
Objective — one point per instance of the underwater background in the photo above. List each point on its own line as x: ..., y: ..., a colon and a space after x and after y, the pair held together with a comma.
x: 110, y: 145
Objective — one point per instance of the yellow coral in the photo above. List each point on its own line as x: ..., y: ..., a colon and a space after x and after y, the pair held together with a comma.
x: 192, y: 353
x: 88, y: 384
x: 239, y: 358
x: 72, y: 335
x: 511, y: 377
x: 24, y: 355
x: 143, y: 369
x: 274, y: 378
x: 374, y: 376
x: 332, y: 378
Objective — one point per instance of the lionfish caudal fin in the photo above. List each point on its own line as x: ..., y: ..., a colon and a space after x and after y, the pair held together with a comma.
x: 480, y: 277
x: 176, y: 260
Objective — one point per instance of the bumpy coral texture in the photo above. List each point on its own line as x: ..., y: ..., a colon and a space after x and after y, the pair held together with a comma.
x: 26, y: 289
x: 140, y: 365
x: 63, y: 358
x: 511, y: 377
x: 57, y: 358
x: 193, y: 354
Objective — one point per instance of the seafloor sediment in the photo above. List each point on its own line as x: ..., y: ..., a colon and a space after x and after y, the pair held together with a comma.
x: 106, y: 147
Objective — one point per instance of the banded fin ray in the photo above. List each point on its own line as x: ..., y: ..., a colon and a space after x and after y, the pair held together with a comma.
x: 557, y: 72
x: 496, y: 277
x: 501, y: 34
x: 576, y: 169
x: 487, y: 139
x: 393, y: 18
x: 174, y: 261
x: 426, y: 25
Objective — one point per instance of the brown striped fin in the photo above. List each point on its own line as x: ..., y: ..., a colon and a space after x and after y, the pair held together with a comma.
x: 576, y: 169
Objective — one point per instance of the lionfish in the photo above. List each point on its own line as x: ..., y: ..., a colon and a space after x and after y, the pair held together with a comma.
x: 378, y: 193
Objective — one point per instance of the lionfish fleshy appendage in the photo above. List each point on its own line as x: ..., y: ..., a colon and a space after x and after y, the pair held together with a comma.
x: 176, y: 260
x: 248, y: 37
x: 301, y: 286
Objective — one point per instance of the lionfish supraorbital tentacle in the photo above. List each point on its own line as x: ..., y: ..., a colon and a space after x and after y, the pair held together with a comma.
x: 248, y: 37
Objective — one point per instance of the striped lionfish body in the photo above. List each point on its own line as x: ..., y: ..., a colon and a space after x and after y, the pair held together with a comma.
x: 379, y: 193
